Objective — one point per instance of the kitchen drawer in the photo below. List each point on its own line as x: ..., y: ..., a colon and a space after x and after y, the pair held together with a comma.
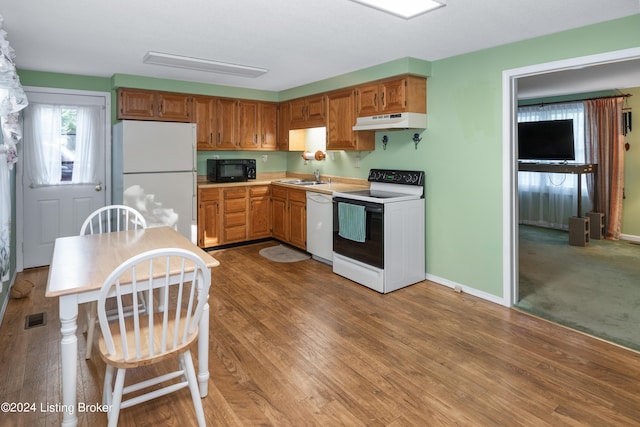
x: 279, y: 192
x: 298, y: 196
x: 260, y: 191
x: 235, y: 219
x: 235, y: 193
x: 235, y: 234
x: 209, y: 194
x: 235, y: 205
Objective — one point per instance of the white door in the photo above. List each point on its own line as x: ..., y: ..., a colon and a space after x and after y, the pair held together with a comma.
x: 64, y: 167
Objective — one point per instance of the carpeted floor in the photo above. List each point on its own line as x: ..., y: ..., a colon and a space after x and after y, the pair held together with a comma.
x: 594, y: 289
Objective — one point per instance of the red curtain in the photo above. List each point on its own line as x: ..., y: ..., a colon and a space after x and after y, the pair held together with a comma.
x: 605, y: 146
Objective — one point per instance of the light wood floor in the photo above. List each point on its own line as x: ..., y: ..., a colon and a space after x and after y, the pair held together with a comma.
x: 295, y: 345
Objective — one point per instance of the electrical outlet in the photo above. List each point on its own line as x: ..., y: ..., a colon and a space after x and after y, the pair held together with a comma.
x: 265, y: 158
x: 357, y: 162
x: 216, y: 157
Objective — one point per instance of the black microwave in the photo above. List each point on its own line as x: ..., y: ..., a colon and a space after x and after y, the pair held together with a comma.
x: 230, y: 170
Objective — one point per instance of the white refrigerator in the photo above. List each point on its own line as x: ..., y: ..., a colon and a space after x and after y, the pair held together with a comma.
x: 154, y: 171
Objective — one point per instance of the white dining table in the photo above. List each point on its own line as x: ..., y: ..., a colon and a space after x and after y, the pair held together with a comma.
x: 79, y: 266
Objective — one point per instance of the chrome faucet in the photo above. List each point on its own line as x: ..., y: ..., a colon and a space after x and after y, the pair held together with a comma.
x: 317, y: 175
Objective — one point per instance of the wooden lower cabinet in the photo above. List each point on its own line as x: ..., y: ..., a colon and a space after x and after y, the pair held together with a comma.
x: 242, y: 213
x: 289, y: 216
x: 234, y: 215
x: 259, y: 212
x: 208, y: 217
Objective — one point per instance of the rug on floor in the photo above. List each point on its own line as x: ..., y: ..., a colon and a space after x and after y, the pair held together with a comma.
x: 283, y: 253
x: 594, y: 289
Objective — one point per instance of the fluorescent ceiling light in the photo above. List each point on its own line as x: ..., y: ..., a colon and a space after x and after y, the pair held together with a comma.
x: 406, y: 9
x: 202, y: 64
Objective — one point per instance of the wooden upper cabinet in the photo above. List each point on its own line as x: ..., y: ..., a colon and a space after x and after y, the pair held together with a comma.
x: 258, y: 124
x: 396, y: 95
x: 268, y: 115
x: 136, y: 104
x: 204, y: 116
x: 341, y: 118
x: 227, y: 124
x: 248, y: 125
x: 174, y: 107
x: 286, y: 140
x: 139, y: 104
x: 307, y: 112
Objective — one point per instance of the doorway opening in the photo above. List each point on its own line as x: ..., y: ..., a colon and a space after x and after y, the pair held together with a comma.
x: 509, y: 158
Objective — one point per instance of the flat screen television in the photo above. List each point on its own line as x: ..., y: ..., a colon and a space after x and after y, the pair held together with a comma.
x: 550, y: 140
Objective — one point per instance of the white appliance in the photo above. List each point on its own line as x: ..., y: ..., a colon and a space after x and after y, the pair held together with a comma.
x: 378, y: 234
x: 154, y: 171
x: 320, y: 226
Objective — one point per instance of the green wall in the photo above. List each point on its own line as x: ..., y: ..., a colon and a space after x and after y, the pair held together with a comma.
x: 461, y: 151
x: 464, y: 152
x: 631, y: 202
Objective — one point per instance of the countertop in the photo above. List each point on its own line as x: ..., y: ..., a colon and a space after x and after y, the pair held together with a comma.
x: 337, y: 183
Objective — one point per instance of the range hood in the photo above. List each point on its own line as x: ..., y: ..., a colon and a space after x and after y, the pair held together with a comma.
x: 392, y: 121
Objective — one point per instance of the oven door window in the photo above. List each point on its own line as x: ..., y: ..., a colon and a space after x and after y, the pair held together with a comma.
x: 371, y: 251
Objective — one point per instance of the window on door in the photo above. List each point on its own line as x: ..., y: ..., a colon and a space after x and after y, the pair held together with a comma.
x: 67, y: 142
x: 64, y: 146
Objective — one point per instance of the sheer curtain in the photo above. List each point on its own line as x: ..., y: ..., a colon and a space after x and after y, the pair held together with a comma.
x: 89, y: 127
x: 549, y: 199
x: 43, y: 153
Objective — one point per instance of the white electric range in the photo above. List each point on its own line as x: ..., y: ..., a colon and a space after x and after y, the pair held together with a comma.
x: 379, y: 234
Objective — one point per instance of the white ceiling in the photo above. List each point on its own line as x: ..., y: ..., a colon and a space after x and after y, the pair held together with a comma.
x: 299, y: 42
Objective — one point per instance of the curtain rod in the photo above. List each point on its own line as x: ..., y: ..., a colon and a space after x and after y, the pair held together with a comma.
x: 622, y: 95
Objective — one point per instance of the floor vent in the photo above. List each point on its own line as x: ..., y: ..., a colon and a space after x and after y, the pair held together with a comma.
x: 34, y: 320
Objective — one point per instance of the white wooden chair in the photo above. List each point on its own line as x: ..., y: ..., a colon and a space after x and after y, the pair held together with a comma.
x: 105, y: 220
x: 182, y: 280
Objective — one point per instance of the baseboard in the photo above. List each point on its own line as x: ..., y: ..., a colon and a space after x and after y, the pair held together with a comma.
x: 6, y: 300
x: 467, y: 290
x: 630, y: 238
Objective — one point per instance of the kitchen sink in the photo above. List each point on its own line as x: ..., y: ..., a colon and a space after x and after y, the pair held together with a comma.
x: 301, y: 182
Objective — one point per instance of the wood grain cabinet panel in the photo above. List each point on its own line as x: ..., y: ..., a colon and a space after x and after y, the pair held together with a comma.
x: 289, y: 216
x: 340, y: 121
x: 394, y: 95
x: 307, y: 112
x: 139, y: 104
x: 259, y: 212
x: 204, y: 116
x: 234, y: 218
x: 208, y: 217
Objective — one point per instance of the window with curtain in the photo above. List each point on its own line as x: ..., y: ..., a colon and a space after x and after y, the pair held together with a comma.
x: 64, y: 144
x: 549, y: 199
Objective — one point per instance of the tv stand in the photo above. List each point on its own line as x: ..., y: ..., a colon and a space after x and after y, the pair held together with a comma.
x: 567, y: 168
